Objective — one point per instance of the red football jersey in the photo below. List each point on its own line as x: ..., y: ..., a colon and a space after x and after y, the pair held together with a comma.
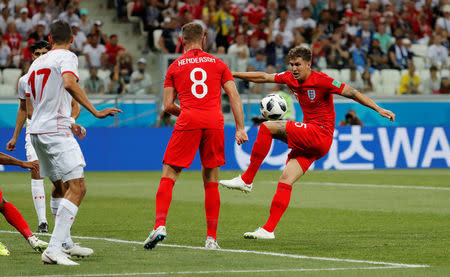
x: 315, y: 96
x: 198, y: 78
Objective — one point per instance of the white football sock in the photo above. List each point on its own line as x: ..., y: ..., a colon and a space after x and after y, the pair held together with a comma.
x: 54, y: 205
x: 38, y: 193
x: 63, y: 222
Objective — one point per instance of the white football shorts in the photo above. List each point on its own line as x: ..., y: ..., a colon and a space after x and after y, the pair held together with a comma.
x: 31, y: 154
x: 60, y: 156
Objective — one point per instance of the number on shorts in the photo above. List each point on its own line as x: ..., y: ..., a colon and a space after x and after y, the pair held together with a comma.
x: 31, y: 81
x: 300, y: 125
x: 200, y: 82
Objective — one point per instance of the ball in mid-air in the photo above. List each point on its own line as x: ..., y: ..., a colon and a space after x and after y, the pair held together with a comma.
x: 273, y: 107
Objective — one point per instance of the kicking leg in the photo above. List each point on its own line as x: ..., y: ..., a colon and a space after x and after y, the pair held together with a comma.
x: 280, y: 201
x: 261, y: 147
x: 38, y: 193
x: 212, y: 205
x: 163, y: 199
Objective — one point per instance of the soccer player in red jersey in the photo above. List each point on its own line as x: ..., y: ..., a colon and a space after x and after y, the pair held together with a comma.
x: 13, y: 216
x: 309, y: 140
x: 196, y: 78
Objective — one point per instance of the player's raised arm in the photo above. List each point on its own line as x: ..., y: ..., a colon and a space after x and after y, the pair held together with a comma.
x: 352, y: 93
x: 255, y: 77
x: 170, y: 95
x: 71, y: 85
x: 238, y: 111
x: 20, y: 121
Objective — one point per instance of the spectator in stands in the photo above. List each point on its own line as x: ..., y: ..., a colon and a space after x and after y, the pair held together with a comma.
x: 13, y: 38
x: 445, y: 85
x: 193, y: 7
x: 288, y: 37
x: 259, y: 61
x: 225, y: 24
x: 5, y: 19
x: 254, y: 46
x: 399, y: 54
x: 305, y: 24
x: 169, y: 36
x: 328, y: 22
x: 359, y: 55
x: 338, y: 57
x: 437, y: 53
x: 260, y: 33
x: 69, y: 15
x: 276, y: 51
x: 5, y: 54
x: 377, y: 57
x: 138, y: 8
x: 410, y: 81
x: 171, y: 11
x: 42, y: 15
x: 24, y: 24
x: 284, y: 15
x: 404, y: 24
x: 121, y: 10
x: 444, y: 22
x: 294, y: 11
x: 94, y: 85
x: 255, y: 12
x: 115, y: 84
x: 94, y: 52
x: 384, y: 39
x: 53, y: 9
x: 141, y: 82
x: 10, y: 5
x: 112, y: 50
x: 351, y: 118
x: 97, y: 30
x: 32, y: 8
x: 124, y: 65
x: 316, y: 8
x: 433, y: 84
x: 366, y: 35
x: 422, y: 29
x: 355, y: 81
x: 85, y: 22
x: 152, y: 21
x: 39, y: 33
x: 25, y: 54
x: 368, y: 87
x: 240, y: 49
x: 352, y: 27
x: 79, y: 39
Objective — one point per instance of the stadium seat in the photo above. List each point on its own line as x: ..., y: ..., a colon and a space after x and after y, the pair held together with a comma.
x: 81, y: 61
x: 103, y: 74
x: 7, y: 91
x: 11, y: 75
x: 445, y: 73
x: 345, y: 75
x: 156, y: 35
x: 135, y: 20
x: 391, y: 81
x: 333, y: 73
x: 419, y: 50
x: 377, y: 82
x: 419, y: 62
x: 84, y: 75
x: 423, y: 74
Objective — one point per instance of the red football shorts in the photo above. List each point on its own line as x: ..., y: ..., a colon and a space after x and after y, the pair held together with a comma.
x: 1, y: 195
x: 309, y: 142
x: 184, y: 144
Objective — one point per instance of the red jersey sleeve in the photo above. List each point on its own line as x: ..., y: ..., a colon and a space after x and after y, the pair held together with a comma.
x: 281, y: 78
x: 169, y: 82
x: 332, y: 85
x: 227, y: 76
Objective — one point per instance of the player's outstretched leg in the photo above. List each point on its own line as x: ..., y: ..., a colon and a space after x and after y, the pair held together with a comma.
x: 38, y: 194
x: 16, y: 219
x: 212, y: 205
x: 280, y: 201
x: 261, y: 147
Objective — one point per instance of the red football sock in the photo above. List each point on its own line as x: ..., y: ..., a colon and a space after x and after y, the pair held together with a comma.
x: 163, y: 199
x: 212, y: 207
x: 259, y: 152
x: 280, y: 202
x: 14, y: 218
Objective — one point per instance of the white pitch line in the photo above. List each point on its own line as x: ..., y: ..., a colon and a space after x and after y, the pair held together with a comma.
x: 221, y: 271
x: 293, y: 256
x: 364, y: 185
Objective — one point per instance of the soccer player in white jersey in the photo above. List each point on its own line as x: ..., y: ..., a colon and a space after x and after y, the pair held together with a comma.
x: 37, y: 49
x: 53, y: 82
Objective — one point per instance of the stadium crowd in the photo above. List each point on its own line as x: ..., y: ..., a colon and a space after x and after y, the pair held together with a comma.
x: 364, y: 43
x: 361, y: 37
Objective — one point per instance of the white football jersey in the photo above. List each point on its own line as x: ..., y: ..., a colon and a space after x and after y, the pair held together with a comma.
x: 51, y: 102
x: 22, y: 88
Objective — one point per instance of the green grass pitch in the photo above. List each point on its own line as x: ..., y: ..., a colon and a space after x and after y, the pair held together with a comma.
x: 392, y: 216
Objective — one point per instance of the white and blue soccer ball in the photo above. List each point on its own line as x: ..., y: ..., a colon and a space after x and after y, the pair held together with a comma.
x: 273, y: 107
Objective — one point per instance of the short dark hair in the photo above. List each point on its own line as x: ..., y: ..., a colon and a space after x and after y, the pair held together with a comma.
x: 192, y: 32
x: 300, y: 52
x: 60, y: 32
x: 39, y: 45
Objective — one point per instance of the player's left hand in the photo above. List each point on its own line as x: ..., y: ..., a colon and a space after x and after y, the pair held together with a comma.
x: 388, y: 114
x: 78, y: 130
x: 107, y: 112
x: 241, y: 137
x: 29, y: 165
x: 11, y: 145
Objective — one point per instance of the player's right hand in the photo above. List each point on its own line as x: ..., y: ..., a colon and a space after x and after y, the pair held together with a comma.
x: 11, y: 145
x: 30, y: 165
x: 107, y: 112
x: 241, y: 137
